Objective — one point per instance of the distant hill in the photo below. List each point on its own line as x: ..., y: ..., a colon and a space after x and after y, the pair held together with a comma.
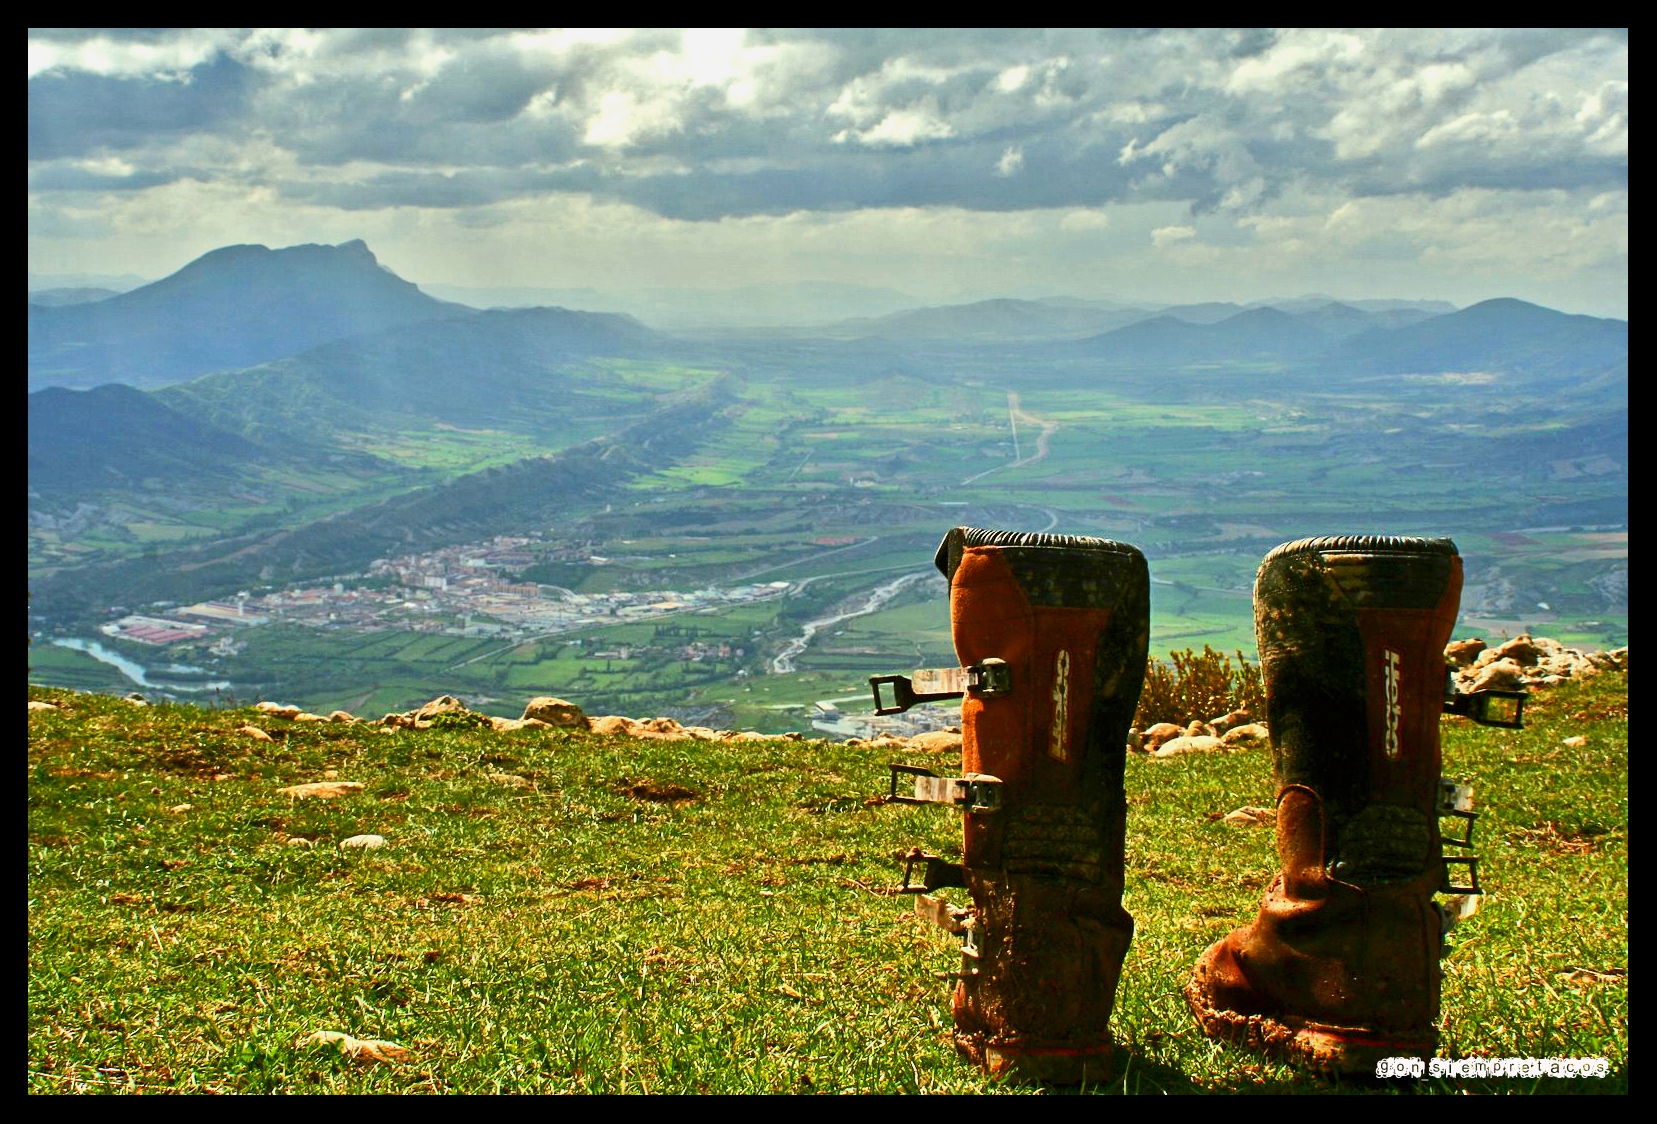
x: 1002, y: 319
x: 747, y: 306
x: 115, y: 436
x: 1253, y: 335
x: 54, y: 298
x: 531, y: 492
x: 483, y: 367
x: 1070, y: 318
x: 232, y: 308
x: 1502, y: 335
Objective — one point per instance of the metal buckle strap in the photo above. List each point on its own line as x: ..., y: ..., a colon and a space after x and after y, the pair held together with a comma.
x: 1450, y: 886
x: 1456, y: 800
x: 953, y: 919
x: 988, y: 678
x: 939, y: 872
x: 975, y: 792
x: 1487, y: 707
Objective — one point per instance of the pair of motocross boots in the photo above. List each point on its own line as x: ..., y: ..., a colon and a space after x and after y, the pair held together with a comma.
x: 1340, y: 967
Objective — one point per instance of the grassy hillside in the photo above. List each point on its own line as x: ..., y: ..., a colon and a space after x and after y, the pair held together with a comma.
x: 560, y: 912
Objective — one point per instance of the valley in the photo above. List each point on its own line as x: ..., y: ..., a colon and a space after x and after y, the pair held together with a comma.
x: 739, y: 529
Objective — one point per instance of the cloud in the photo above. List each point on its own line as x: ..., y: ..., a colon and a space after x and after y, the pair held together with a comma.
x: 1219, y: 131
x: 76, y: 112
x: 1221, y: 119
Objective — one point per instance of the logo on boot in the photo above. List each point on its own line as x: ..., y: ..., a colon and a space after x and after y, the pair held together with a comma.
x: 1061, y: 705
x: 1394, y: 709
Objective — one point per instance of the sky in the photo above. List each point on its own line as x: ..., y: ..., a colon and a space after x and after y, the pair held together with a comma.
x: 949, y: 164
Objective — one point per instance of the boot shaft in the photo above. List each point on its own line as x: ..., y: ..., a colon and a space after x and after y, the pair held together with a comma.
x: 1070, y: 617
x: 1352, y: 632
x: 1051, y: 634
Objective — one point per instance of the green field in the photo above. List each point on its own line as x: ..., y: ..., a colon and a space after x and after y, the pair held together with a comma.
x: 693, y: 917
x: 842, y: 477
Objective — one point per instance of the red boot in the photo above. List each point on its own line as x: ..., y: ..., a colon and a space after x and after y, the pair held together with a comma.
x: 1340, y: 968
x: 1051, y: 632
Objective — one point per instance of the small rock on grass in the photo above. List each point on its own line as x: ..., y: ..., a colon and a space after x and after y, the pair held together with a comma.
x: 278, y: 710
x: 511, y: 780
x: 555, y: 712
x: 362, y: 843
x: 935, y: 741
x: 321, y: 790
x: 1248, y: 816
x: 255, y: 733
x: 36, y: 704
x: 1577, y: 741
x: 1174, y: 747
x: 1246, y: 735
x: 357, y: 1049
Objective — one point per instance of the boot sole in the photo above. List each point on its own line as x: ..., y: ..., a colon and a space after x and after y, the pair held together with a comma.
x: 1030, y: 1065
x: 1306, y: 1044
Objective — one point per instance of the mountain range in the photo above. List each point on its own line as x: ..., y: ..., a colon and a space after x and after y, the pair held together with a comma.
x: 234, y: 307
x: 258, y: 384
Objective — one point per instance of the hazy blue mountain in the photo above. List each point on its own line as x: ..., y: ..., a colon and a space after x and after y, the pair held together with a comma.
x: 1432, y: 308
x: 1068, y: 318
x: 748, y: 306
x: 1258, y: 334
x: 54, y: 298
x: 1497, y: 335
x: 1203, y: 312
x: 1001, y: 319
x: 1502, y: 335
x: 1314, y: 301
x: 531, y: 492
x: 483, y: 367
x: 234, y: 307
x: 1338, y: 320
x: 115, y: 436
x: 114, y: 282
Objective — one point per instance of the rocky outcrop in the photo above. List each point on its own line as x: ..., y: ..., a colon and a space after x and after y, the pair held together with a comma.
x: 555, y: 712
x: 1522, y: 663
x: 1525, y: 661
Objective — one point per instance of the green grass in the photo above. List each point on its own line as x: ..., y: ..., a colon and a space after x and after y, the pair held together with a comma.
x: 592, y: 934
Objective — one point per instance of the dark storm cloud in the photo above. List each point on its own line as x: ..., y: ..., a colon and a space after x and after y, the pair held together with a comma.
x: 59, y: 177
x: 74, y: 113
x: 842, y: 119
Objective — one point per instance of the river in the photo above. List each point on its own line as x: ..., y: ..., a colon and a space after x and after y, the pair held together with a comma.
x: 859, y: 606
x: 136, y: 672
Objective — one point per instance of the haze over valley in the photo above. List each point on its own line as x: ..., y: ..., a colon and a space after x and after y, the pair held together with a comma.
x: 545, y: 499
x: 647, y: 368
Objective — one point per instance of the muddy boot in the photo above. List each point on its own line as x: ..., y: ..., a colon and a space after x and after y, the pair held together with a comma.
x: 1051, y: 633
x: 1341, y: 966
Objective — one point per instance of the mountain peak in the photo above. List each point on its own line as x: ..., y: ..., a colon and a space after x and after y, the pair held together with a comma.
x: 233, y: 307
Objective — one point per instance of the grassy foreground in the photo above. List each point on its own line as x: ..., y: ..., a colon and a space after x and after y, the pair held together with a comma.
x: 694, y: 917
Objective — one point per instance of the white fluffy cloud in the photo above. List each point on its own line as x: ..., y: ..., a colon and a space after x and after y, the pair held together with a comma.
x: 708, y: 128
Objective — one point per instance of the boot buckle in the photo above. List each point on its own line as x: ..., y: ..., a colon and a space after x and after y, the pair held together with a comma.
x: 1450, y: 886
x: 952, y: 919
x: 1456, y: 801
x: 1488, y: 707
x: 975, y: 792
x: 988, y: 678
x: 939, y: 873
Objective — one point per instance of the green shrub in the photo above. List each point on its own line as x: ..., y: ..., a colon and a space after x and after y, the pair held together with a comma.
x: 1198, y: 686
x: 459, y: 720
